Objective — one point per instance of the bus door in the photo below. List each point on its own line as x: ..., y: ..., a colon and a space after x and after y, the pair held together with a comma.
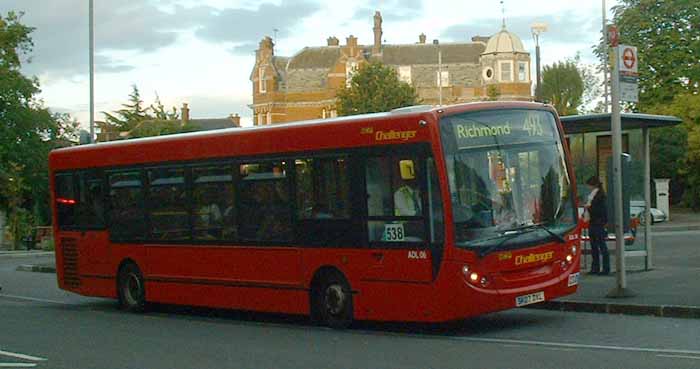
x: 400, y: 203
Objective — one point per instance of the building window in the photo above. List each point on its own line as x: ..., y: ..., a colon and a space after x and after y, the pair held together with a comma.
x: 522, y: 72
x: 260, y: 119
x: 488, y: 73
x: 506, y: 68
x: 405, y: 73
x: 350, y: 70
x: 269, y: 117
x: 261, y: 80
x: 445, y: 80
x: 334, y: 113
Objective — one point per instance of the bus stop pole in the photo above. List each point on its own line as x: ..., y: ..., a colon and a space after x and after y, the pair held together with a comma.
x: 647, y: 198
x: 620, y: 289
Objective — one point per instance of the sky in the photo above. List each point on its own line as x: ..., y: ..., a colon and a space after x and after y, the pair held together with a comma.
x: 201, y: 52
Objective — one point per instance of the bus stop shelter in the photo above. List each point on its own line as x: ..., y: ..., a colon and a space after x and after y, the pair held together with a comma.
x: 590, y: 143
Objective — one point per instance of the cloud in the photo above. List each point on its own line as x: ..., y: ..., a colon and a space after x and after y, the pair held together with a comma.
x: 392, y: 11
x: 140, y: 27
x: 247, y: 27
x: 564, y: 28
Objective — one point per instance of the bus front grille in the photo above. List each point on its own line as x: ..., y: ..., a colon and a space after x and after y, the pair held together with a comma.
x: 69, y: 250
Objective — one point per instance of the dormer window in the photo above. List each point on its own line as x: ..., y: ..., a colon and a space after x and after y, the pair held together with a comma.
x: 262, y: 86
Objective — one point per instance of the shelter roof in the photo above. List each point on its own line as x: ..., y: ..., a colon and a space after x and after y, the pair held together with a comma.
x: 601, y: 122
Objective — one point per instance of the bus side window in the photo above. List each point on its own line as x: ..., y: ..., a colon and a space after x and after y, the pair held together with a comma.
x: 66, y: 200
x: 214, y: 203
x: 323, y: 188
x: 91, y: 202
x: 167, y: 204
x: 266, y: 202
x: 126, y: 210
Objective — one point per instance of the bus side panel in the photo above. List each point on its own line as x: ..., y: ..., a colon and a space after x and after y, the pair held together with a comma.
x: 264, y: 299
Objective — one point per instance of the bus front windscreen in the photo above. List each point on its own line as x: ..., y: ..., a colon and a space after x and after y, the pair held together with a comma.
x: 508, y: 178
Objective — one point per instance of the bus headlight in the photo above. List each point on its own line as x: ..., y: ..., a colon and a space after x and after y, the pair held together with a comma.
x: 573, y: 249
x: 569, y: 259
x: 473, y: 277
x: 465, y: 270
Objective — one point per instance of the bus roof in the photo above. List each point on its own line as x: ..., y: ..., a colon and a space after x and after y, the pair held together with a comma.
x: 287, y: 137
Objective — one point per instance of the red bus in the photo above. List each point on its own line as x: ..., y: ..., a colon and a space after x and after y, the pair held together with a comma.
x: 420, y: 214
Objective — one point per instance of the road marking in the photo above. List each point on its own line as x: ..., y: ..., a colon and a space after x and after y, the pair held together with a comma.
x: 34, y: 299
x: 681, y: 357
x: 21, y: 356
x: 576, y: 345
x: 16, y: 365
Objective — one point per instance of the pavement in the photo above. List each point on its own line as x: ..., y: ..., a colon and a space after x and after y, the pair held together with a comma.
x: 669, y: 289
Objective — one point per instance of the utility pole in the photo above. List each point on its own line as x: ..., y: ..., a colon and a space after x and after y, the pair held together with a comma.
x: 605, y: 57
x: 439, y: 75
x: 92, y: 72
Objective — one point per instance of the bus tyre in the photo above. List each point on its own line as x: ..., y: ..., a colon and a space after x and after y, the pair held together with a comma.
x: 332, y: 302
x: 131, y: 289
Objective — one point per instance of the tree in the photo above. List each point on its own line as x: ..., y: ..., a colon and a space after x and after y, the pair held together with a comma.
x: 667, y: 38
x: 375, y: 88
x: 28, y: 131
x: 676, y: 150
x: 131, y: 114
x: 153, y: 120
x: 563, y: 87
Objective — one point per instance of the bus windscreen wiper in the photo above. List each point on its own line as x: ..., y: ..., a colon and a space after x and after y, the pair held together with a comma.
x: 511, y: 233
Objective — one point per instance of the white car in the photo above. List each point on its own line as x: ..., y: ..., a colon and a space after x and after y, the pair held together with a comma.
x: 637, y: 211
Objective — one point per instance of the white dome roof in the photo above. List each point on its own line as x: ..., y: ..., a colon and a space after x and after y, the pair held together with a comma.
x: 504, y: 42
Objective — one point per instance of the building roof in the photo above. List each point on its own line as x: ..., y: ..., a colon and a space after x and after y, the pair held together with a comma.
x: 207, y: 124
x: 315, y: 57
x: 601, y: 122
x: 504, y: 42
x: 428, y: 53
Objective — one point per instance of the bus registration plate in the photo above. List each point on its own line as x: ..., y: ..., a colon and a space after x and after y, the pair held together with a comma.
x: 573, y: 279
x: 529, y: 299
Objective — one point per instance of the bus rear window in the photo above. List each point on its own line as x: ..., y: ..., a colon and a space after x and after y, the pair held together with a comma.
x: 66, y: 200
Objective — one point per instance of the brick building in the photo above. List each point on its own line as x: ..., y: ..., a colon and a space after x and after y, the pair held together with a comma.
x: 304, y: 86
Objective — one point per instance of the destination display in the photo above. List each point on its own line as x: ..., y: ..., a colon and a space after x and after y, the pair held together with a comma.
x: 496, y: 128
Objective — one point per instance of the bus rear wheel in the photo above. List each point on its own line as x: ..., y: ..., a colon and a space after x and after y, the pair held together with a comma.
x: 131, y: 289
x: 332, y: 302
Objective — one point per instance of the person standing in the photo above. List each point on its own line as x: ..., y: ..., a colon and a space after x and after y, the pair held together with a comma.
x: 598, y: 218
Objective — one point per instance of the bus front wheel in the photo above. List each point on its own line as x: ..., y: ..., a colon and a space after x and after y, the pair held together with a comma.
x: 332, y: 301
x: 131, y: 288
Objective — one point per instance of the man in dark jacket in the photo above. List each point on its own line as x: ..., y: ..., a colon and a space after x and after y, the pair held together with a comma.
x: 598, y: 218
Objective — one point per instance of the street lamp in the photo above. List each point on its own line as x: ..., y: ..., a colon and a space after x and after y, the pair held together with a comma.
x: 538, y: 29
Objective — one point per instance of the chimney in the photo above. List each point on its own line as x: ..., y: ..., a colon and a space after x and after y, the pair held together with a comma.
x: 351, y: 41
x: 267, y: 49
x: 481, y: 39
x: 377, y: 48
x: 235, y: 119
x: 333, y: 41
x: 421, y: 38
x: 185, y: 116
